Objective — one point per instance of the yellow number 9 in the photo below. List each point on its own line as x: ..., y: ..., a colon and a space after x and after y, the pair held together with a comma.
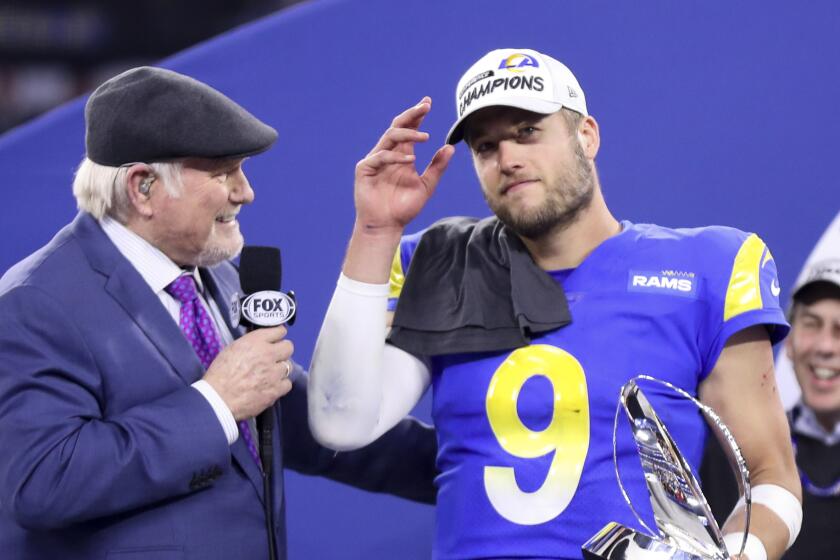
x: 567, y: 435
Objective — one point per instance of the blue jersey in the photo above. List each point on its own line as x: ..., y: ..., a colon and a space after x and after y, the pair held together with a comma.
x: 525, y: 436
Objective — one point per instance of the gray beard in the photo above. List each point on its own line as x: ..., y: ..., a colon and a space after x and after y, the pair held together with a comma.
x: 211, y: 256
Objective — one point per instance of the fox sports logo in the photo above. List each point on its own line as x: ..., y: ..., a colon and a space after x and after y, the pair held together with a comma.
x: 268, y: 308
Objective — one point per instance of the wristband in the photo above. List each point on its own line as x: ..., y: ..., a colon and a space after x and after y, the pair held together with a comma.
x: 781, y: 502
x: 754, y: 548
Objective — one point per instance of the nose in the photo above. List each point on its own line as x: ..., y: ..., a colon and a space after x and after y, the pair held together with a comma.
x: 510, y: 156
x: 827, y: 341
x: 241, y: 191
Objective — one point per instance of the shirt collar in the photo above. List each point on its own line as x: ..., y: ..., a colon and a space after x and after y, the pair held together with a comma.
x: 157, y: 269
x: 805, y: 423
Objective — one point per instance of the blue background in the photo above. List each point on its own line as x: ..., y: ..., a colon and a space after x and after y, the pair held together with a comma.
x: 710, y: 113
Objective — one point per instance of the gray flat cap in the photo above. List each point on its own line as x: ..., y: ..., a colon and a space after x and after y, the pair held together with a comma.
x: 151, y: 114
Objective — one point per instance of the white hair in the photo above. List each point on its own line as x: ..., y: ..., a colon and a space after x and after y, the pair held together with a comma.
x: 101, y: 189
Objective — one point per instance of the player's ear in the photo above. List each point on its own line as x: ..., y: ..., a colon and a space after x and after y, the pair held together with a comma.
x: 589, y: 136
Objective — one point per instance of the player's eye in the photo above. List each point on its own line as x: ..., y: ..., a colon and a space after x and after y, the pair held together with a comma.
x: 526, y: 132
x: 483, y: 147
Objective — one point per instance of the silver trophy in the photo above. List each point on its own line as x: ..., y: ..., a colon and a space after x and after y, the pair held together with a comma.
x: 686, y: 528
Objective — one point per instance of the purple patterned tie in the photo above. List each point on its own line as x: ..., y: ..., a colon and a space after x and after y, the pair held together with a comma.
x: 198, y: 327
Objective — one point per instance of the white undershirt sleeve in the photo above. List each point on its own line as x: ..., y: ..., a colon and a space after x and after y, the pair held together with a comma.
x: 359, y: 386
x: 223, y: 413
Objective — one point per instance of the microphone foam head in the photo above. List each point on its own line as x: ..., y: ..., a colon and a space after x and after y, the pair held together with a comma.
x: 259, y: 269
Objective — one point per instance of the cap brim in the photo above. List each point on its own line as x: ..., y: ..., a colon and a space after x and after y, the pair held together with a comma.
x: 456, y: 133
x: 827, y: 282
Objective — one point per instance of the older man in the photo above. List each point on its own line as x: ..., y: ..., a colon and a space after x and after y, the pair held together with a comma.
x: 127, y: 391
x: 527, y: 323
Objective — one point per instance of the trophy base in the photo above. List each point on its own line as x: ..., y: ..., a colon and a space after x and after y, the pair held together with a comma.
x: 617, y: 542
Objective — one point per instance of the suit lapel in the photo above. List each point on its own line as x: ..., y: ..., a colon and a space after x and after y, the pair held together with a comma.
x: 133, y: 294
x: 128, y: 288
x: 223, y: 293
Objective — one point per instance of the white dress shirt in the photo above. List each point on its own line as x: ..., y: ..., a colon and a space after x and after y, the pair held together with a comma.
x: 806, y: 423
x: 159, y: 271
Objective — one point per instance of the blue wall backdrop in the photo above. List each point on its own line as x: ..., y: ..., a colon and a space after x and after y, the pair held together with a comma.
x: 711, y: 113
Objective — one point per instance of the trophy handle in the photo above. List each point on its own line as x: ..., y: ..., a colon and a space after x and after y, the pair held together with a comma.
x: 680, y: 509
x: 736, y: 461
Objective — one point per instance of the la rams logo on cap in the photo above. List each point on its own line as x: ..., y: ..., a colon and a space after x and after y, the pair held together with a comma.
x: 517, y: 62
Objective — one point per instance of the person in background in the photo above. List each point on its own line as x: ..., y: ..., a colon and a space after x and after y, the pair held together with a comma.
x: 127, y: 389
x: 813, y: 347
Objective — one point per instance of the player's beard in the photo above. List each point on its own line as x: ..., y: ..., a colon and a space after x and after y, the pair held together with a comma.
x: 566, y: 198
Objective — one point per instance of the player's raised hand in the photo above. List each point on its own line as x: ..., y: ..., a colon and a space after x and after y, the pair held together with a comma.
x: 389, y: 191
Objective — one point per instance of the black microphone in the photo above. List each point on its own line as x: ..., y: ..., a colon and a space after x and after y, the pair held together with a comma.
x: 264, y: 305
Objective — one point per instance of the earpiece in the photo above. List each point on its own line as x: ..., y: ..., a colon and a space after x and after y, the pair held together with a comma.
x: 146, y: 185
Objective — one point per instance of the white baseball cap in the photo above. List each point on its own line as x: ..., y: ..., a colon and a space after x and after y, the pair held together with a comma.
x: 521, y: 78
x: 822, y: 271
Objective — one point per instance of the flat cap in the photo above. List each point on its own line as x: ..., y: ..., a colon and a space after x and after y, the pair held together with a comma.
x: 152, y: 114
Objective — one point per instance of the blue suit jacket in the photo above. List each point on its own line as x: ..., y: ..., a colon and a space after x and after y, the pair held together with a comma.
x: 107, y: 452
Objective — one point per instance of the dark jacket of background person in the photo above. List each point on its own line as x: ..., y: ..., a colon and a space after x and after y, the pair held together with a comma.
x: 819, y: 537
